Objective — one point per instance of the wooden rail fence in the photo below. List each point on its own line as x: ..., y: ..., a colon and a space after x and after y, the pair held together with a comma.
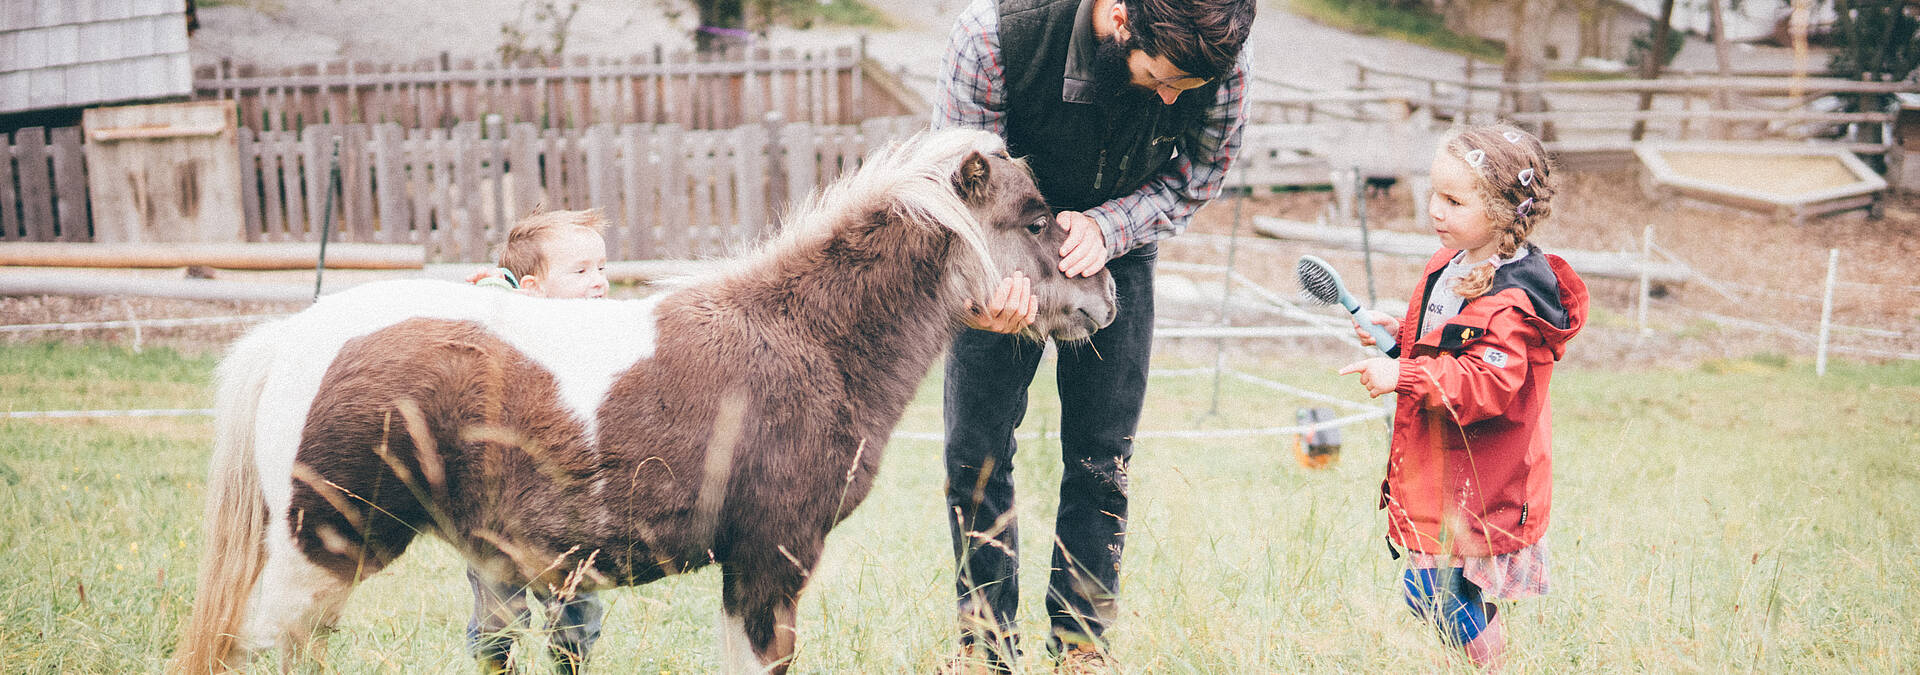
x: 1599, y: 115
x: 667, y: 192
x: 715, y: 90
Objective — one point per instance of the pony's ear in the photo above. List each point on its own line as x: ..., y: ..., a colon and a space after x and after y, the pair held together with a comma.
x: 971, y: 180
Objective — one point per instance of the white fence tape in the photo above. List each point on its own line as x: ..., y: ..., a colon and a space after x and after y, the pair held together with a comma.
x: 138, y: 323
x: 89, y: 414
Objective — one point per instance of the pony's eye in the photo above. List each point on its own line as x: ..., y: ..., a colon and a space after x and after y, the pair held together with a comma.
x: 1038, y: 225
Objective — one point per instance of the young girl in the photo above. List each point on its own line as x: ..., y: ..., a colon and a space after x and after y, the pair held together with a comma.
x: 1469, y: 476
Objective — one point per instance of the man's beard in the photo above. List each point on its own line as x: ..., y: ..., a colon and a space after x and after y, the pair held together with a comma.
x: 1113, y: 78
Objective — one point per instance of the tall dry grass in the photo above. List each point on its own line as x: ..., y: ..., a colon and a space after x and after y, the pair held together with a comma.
x: 1740, y: 515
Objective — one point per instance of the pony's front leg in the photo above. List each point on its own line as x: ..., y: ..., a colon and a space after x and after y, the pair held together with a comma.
x: 757, y: 613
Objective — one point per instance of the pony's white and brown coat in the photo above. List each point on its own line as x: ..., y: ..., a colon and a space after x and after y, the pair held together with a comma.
x: 593, y: 443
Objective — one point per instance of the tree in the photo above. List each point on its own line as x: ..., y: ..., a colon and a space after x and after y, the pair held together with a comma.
x: 1650, y: 66
x: 1527, y: 56
x: 1875, y: 40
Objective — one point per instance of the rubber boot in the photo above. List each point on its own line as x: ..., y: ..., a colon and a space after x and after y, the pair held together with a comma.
x: 1488, y: 650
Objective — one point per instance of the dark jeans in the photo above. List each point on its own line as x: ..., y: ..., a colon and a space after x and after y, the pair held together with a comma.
x: 1102, y: 386
x: 498, y: 608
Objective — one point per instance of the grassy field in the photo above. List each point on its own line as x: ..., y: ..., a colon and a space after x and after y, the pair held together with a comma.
x: 1741, y: 515
x: 1418, y: 25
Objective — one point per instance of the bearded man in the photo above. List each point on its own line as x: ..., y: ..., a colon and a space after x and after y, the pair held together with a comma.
x: 1130, y: 113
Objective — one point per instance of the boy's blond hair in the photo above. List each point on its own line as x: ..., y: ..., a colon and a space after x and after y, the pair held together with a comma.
x: 524, y: 252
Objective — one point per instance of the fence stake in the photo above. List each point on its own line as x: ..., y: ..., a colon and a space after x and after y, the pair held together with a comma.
x: 1646, y: 262
x: 1226, y: 288
x: 326, y: 221
x: 1826, y: 311
x: 1366, y: 242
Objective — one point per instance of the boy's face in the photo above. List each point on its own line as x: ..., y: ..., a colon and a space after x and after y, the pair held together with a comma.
x: 576, y: 267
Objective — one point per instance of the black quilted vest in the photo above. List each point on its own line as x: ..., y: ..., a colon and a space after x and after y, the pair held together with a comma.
x: 1082, y: 152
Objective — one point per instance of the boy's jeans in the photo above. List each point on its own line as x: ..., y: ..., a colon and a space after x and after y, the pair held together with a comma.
x: 575, y: 624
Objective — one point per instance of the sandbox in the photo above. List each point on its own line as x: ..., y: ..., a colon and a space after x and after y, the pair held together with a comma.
x: 1790, y: 181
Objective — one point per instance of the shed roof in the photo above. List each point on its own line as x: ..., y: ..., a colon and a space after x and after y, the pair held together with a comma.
x: 73, y: 53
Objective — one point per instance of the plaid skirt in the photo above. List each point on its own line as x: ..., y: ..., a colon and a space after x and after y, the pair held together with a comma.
x: 1509, y: 576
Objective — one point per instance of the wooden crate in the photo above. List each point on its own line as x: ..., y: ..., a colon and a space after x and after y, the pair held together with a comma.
x: 164, y: 173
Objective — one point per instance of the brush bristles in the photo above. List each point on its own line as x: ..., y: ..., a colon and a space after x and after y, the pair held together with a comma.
x: 1318, y: 283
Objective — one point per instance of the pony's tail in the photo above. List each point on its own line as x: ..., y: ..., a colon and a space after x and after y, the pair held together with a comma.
x: 236, y: 516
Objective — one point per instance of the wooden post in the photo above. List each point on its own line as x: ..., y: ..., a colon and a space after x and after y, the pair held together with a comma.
x: 249, y: 155
x: 36, y: 191
x: 636, y: 205
x: 1646, y: 285
x: 70, y: 185
x: 1826, y: 312
x: 673, y: 192
x: 775, y: 195
x: 9, y: 220
x: 497, y: 168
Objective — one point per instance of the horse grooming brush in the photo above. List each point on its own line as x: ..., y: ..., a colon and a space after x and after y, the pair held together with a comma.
x: 1321, y: 284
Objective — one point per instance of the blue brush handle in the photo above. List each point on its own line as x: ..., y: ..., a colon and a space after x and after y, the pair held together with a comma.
x: 1381, y: 339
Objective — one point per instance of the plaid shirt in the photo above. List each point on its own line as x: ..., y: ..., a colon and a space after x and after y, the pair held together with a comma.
x: 973, y: 93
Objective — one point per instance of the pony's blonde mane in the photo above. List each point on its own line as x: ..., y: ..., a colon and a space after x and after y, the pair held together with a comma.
x: 913, y: 178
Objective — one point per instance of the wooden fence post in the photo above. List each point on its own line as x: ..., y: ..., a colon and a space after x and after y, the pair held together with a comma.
x: 776, y: 193
x: 523, y: 164
x: 1826, y: 312
x: 70, y: 185
x: 249, y: 183
x: 473, y: 235
x: 1646, y: 286
x: 10, y: 229
x: 390, y: 183
x: 603, y: 174
x: 36, y: 193
x: 797, y: 139
x: 629, y: 233
x: 750, y: 149
x: 673, y: 192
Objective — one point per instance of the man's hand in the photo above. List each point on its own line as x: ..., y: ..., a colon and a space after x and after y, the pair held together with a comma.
x: 1011, y: 309
x: 1085, y: 252
x: 1378, y: 374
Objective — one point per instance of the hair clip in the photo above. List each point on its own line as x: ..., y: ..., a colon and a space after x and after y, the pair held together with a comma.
x: 1524, y: 209
x: 1512, y: 136
x: 1476, y: 157
x: 1526, y: 177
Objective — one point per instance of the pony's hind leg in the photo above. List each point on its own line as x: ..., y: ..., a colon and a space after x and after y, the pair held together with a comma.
x: 293, y: 601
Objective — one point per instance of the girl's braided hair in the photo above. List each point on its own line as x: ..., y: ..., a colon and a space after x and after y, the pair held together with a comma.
x: 1514, y: 179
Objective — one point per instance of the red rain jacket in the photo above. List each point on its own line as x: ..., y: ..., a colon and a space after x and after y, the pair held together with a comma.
x: 1471, y: 467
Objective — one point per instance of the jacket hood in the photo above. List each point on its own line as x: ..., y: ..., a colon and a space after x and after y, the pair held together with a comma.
x: 1557, y: 297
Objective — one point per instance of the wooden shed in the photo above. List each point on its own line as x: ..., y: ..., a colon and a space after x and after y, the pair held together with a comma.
x: 71, y: 54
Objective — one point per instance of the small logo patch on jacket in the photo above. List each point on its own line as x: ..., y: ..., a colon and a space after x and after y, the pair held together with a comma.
x: 1494, y: 357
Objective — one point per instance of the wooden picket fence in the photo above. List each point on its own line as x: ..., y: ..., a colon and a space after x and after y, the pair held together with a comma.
x: 712, y: 90
x: 667, y: 192
x: 43, y: 186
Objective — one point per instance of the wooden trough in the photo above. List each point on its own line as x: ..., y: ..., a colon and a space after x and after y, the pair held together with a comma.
x: 1789, y: 181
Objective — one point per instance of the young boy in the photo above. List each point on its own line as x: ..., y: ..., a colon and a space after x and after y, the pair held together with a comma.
x: 553, y: 254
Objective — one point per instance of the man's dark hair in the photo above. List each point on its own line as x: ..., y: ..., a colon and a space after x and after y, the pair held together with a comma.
x: 1200, y: 37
